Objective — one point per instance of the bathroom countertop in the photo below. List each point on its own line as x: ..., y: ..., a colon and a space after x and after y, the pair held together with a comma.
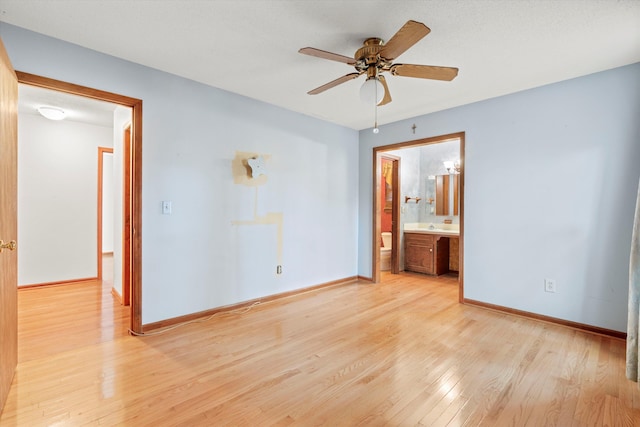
x: 437, y: 231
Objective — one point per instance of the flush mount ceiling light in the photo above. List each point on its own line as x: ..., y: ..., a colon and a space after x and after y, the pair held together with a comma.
x: 52, y: 113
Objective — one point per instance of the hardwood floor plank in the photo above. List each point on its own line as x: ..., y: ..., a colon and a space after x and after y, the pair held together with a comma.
x: 403, y: 352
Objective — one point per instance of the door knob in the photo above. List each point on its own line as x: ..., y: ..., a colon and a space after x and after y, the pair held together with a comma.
x: 9, y: 245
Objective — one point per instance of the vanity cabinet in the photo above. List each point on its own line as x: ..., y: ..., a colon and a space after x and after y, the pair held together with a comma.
x: 426, y: 253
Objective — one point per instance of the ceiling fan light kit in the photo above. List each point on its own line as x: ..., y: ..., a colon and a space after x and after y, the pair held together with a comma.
x: 372, y: 91
x: 375, y: 57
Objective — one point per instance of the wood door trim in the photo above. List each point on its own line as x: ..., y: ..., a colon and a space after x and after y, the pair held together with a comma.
x: 101, y: 152
x: 377, y: 227
x: 136, y: 174
x: 460, y: 188
x: 460, y: 136
x: 74, y: 89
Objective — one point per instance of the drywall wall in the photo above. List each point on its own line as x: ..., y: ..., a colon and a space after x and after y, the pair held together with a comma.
x: 551, y: 176
x: 57, y: 199
x: 204, y: 255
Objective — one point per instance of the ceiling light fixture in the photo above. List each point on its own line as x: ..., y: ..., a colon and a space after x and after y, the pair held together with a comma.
x: 372, y: 92
x: 52, y: 113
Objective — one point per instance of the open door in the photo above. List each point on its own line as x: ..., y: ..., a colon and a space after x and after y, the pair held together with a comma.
x: 8, y: 224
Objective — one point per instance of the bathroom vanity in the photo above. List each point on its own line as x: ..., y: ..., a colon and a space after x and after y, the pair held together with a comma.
x: 430, y: 251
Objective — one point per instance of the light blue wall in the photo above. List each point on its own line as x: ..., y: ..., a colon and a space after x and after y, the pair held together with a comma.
x: 551, y: 179
x: 550, y: 187
x: 196, y: 259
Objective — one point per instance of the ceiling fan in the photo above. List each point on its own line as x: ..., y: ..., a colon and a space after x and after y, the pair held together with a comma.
x: 376, y: 57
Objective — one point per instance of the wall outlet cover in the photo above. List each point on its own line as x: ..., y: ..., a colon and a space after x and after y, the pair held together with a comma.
x: 550, y: 285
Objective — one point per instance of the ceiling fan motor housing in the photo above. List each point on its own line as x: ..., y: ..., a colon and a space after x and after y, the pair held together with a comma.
x: 369, y: 54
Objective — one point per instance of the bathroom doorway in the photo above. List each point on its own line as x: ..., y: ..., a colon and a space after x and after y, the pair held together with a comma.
x: 413, y: 198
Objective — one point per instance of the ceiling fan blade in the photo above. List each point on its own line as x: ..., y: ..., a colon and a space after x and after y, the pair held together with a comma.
x: 333, y: 83
x: 424, y: 71
x: 387, y: 94
x: 407, y: 36
x: 311, y: 51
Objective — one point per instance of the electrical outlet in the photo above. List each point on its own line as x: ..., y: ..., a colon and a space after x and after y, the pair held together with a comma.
x: 279, y: 269
x: 550, y: 285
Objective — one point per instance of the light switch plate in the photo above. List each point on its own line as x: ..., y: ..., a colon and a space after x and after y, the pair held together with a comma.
x: 166, y: 207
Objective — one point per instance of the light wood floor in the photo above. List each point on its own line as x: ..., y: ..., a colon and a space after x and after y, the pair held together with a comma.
x: 401, y: 353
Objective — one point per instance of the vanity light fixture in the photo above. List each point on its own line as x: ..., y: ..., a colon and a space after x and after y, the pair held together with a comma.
x: 452, y: 167
x: 52, y: 113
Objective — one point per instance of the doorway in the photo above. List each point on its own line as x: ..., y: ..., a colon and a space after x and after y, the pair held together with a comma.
x: 413, y: 200
x: 133, y: 185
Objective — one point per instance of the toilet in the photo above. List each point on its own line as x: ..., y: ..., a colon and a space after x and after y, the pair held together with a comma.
x: 385, y: 252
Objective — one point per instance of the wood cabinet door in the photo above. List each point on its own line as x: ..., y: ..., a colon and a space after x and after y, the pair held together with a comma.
x: 418, y: 254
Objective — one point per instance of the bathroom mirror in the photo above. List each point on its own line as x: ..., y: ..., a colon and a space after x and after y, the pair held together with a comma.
x: 442, y: 191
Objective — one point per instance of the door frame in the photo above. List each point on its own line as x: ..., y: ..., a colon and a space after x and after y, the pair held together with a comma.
x: 377, y: 172
x: 136, y: 175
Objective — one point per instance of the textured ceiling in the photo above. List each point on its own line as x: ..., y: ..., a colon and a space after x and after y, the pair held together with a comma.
x: 250, y: 46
